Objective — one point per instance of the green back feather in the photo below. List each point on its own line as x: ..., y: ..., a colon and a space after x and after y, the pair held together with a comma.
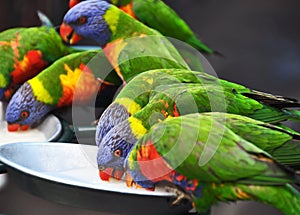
x: 42, y: 38
x: 202, y: 148
x: 188, y: 87
x: 140, y: 47
x: 156, y: 14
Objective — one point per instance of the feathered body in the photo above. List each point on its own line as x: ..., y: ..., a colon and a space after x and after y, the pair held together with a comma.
x: 130, y: 46
x: 174, y: 92
x: 24, y: 53
x: 68, y: 80
x: 207, y: 92
x: 212, y: 162
x: 157, y: 15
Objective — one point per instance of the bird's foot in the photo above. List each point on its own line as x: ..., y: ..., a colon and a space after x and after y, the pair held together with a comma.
x: 180, y: 195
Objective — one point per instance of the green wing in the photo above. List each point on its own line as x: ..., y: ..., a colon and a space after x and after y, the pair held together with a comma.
x: 17, y: 42
x: 45, y: 39
x: 205, y: 149
x: 285, y: 198
x: 156, y: 14
x: 208, y: 93
x: 139, y: 56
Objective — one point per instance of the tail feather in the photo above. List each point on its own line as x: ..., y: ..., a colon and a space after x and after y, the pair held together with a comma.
x: 273, y: 100
x: 196, y: 43
x: 295, y: 115
x: 288, y: 154
x: 44, y: 19
x: 283, y: 197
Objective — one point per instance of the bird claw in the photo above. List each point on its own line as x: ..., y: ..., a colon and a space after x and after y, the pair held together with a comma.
x: 180, y: 195
x: 130, y: 183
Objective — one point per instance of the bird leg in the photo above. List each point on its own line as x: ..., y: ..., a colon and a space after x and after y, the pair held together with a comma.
x: 181, y: 195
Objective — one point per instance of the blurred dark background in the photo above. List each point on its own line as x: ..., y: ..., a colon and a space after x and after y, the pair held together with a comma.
x: 259, y: 39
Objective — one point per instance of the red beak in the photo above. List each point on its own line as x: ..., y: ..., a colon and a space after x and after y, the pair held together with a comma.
x: 68, y: 34
x: 72, y: 3
x: 17, y: 127
x: 106, y: 174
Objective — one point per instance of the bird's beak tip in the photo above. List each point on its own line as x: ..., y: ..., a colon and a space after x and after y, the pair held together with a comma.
x: 16, y: 127
x: 68, y: 34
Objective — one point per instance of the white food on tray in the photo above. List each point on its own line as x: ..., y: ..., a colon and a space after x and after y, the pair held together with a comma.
x: 31, y: 135
x: 70, y: 164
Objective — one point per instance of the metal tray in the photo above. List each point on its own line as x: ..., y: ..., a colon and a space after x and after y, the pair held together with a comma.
x: 67, y: 173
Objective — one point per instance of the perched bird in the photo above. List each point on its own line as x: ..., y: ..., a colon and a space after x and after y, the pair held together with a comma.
x: 176, y: 150
x: 129, y: 45
x: 174, y: 92
x: 24, y: 53
x: 70, y: 79
x: 157, y: 15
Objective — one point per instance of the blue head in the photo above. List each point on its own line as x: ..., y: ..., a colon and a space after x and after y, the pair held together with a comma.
x: 112, y: 116
x: 72, y: 3
x: 86, y: 20
x: 24, y: 110
x: 115, y: 146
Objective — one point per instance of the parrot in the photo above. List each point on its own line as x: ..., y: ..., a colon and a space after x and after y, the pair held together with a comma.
x: 157, y: 15
x: 130, y: 46
x: 165, y: 93
x: 137, y: 62
x: 24, y: 53
x: 70, y: 79
x: 175, y: 150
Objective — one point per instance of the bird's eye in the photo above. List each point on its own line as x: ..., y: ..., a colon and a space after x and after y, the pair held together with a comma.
x: 24, y: 114
x: 118, y: 153
x: 81, y: 20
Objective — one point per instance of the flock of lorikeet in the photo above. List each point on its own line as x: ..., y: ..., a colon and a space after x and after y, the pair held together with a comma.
x: 212, y: 139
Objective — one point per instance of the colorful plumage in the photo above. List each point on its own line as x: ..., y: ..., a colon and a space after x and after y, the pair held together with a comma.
x: 173, y: 92
x: 157, y: 15
x: 130, y: 46
x: 204, y: 155
x: 71, y: 79
x: 208, y: 92
x: 24, y: 53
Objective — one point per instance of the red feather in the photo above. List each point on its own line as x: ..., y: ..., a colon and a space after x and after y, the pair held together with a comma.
x: 31, y: 64
x: 129, y: 10
x: 175, y: 111
x: 152, y: 165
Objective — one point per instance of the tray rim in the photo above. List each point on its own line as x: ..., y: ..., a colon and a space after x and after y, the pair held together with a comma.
x: 58, y: 131
x: 69, y: 182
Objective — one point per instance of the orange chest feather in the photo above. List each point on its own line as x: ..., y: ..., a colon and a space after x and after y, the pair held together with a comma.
x: 152, y: 165
x: 112, y: 52
x: 78, y: 86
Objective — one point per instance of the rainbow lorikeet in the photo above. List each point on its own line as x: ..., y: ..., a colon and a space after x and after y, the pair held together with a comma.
x: 76, y: 78
x: 157, y: 15
x: 207, y: 157
x: 130, y: 46
x: 169, y: 93
x: 24, y: 53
